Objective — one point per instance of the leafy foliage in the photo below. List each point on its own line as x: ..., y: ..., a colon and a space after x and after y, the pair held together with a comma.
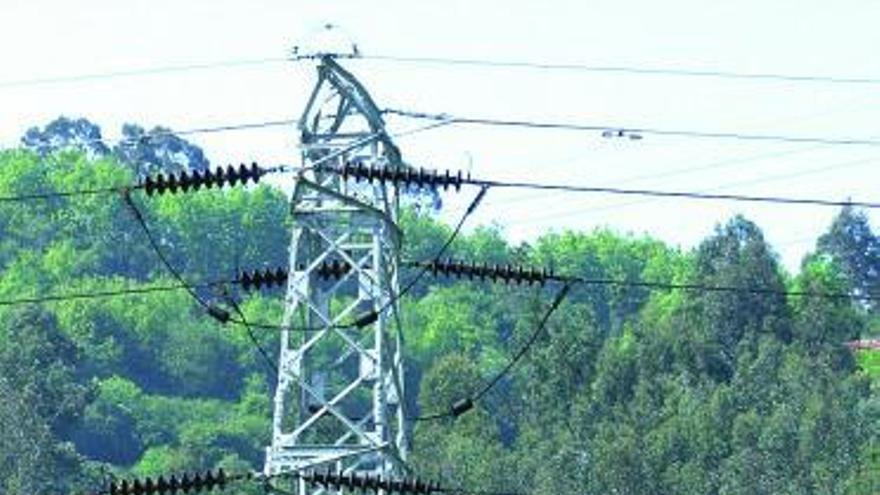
x: 626, y: 391
x: 144, y: 152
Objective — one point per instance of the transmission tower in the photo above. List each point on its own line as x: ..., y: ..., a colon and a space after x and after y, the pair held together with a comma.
x: 339, y: 399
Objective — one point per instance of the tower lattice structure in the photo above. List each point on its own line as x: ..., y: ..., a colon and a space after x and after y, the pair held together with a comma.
x: 340, y: 393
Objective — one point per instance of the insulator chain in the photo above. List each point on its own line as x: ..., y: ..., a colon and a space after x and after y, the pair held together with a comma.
x: 207, y: 179
x: 506, y: 273
x: 367, y: 482
x: 185, y: 483
x: 335, y: 269
x: 257, y: 279
x: 420, y: 177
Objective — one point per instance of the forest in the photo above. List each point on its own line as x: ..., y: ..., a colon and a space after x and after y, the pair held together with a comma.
x: 628, y: 390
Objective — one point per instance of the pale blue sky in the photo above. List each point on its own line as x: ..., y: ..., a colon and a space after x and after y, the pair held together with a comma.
x: 44, y: 38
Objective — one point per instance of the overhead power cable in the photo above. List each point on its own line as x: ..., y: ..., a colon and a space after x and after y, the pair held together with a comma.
x: 734, y: 289
x: 449, y: 61
x: 679, y: 194
x: 145, y: 71
x: 434, y: 177
x: 631, y: 131
x: 522, y: 275
x: 529, y: 278
x: 242, y: 126
x: 41, y: 196
x: 271, y: 366
x: 216, y: 312
x: 110, y: 293
x: 466, y: 404
x: 651, y: 71
x: 593, y: 210
x: 519, y: 275
x: 163, y: 183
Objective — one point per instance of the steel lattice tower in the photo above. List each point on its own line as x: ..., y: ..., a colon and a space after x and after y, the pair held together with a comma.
x: 339, y: 399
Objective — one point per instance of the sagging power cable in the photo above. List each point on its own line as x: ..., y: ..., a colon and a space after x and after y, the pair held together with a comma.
x: 481, y: 272
x: 620, y: 131
x: 271, y: 366
x: 521, y: 275
x: 436, y: 178
x: 216, y: 312
x: 167, y: 183
x: 630, y: 70
x: 465, y: 404
x: 131, y: 291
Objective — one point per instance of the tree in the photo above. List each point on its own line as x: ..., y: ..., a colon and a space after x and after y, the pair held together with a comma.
x: 736, y: 256
x: 42, y: 402
x: 108, y: 431
x: 32, y: 459
x: 852, y: 245
x: 628, y: 390
x: 822, y: 325
x: 158, y: 151
x: 66, y: 133
x: 38, y: 359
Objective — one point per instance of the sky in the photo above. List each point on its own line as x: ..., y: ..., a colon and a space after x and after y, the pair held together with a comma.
x: 43, y: 40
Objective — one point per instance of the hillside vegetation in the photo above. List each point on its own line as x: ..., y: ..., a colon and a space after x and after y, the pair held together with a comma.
x: 629, y: 391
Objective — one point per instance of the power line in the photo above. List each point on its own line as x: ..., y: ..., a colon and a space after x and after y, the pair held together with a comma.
x: 645, y: 177
x: 472, y: 207
x: 131, y: 291
x: 41, y: 196
x: 565, y: 279
x: 560, y: 296
x: 654, y: 71
x: 270, y: 363
x: 659, y: 175
x: 146, y: 71
x: 760, y: 180
x: 214, y: 311
x: 696, y: 287
x: 435, y: 177
x: 154, y: 244
x: 183, y: 285
x: 632, y: 131
x: 678, y: 194
x: 244, y: 126
x: 162, y: 183
x: 518, y: 274
x: 241, y: 126
x: 464, y: 405
x: 449, y: 61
